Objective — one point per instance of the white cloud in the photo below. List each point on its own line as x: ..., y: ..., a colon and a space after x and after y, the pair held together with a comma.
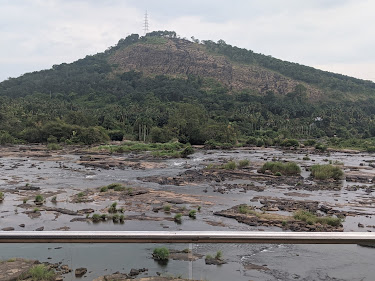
x: 327, y: 33
x: 364, y: 70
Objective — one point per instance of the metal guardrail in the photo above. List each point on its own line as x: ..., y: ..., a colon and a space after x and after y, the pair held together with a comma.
x: 187, y: 237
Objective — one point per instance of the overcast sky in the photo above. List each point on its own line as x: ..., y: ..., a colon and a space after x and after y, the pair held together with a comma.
x: 333, y: 35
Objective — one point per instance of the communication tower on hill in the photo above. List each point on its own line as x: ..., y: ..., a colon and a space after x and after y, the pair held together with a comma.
x: 145, y: 25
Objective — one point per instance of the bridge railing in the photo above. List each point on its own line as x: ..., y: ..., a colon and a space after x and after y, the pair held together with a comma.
x: 188, y: 237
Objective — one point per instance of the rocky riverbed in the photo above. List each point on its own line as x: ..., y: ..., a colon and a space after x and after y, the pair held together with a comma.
x: 84, y: 189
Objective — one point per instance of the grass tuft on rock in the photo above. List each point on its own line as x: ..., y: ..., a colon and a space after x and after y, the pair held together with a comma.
x: 178, y: 218
x: 312, y: 219
x: 328, y: 171
x: 193, y: 214
x: 219, y: 255
x: 167, y: 208
x: 288, y: 168
x: 41, y: 272
x: 113, y: 208
x: 104, y: 189
x: 39, y: 198
x: 243, y: 163
x: 114, y: 186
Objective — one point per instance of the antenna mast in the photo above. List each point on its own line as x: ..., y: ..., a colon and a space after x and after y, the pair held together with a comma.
x: 145, y: 26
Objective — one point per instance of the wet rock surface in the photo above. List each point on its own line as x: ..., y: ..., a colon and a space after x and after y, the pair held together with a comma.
x: 9, y: 228
x: 80, y: 271
x: 207, y: 175
x: 213, y: 261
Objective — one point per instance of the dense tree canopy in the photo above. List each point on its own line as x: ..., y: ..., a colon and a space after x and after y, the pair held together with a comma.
x: 86, y: 102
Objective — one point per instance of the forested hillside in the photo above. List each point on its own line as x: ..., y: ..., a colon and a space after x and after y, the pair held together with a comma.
x: 159, y: 88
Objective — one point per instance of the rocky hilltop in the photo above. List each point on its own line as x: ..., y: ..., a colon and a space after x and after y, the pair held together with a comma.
x: 180, y: 58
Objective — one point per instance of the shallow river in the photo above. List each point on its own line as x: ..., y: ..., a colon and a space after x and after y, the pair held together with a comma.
x: 61, y: 174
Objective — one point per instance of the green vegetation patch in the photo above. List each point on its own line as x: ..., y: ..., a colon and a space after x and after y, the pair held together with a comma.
x: 96, y: 217
x: 115, y: 186
x: 41, y: 272
x: 243, y: 163
x: 288, y: 168
x: 161, y: 253
x: 39, y: 198
x: 247, y: 210
x: 178, y: 218
x: 104, y: 189
x: 113, y: 208
x: 6, y: 138
x: 219, y: 255
x: 312, y: 219
x: 321, y: 147
x: 289, y: 143
x: 140, y: 146
x: 167, y: 208
x: 231, y: 165
x: 170, y: 149
x: 328, y: 171
x: 73, y: 109
x: 154, y: 40
x: 193, y: 214
x: 54, y: 146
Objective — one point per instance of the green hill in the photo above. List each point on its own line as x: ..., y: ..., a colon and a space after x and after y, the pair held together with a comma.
x: 159, y: 87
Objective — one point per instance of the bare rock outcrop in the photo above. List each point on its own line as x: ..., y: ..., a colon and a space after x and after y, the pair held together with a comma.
x: 179, y: 58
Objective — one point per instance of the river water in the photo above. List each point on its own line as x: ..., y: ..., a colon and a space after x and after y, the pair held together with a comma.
x: 62, y: 174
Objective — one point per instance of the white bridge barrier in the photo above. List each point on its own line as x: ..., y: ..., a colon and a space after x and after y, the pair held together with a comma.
x: 187, y: 237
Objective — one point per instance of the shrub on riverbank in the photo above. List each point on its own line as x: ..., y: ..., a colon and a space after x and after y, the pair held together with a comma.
x: 140, y: 146
x: 211, y: 144
x: 6, y: 138
x: 290, y: 143
x: 289, y: 168
x: 186, y: 152
x: 54, y: 146
x: 328, y: 171
x: 321, y: 147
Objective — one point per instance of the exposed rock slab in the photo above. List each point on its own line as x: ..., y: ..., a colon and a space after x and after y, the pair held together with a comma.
x: 14, y: 268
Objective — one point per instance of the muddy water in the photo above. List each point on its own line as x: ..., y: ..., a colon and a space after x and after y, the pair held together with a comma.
x: 63, y: 176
